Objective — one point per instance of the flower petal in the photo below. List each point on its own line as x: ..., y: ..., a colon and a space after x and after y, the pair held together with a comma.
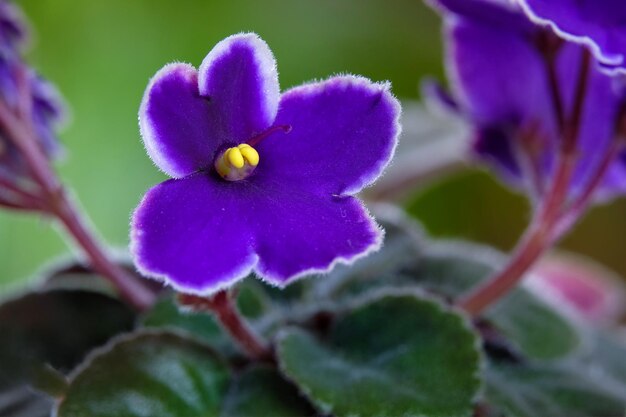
x: 500, y: 83
x: 497, y: 74
x: 596, y: 24
x: 298, y: 233
x: 239, y: 77
x: 193, y: 234
x: 176, y: 124
x: 344, y: 132
x: 495, y: 13
x: 597, y: 126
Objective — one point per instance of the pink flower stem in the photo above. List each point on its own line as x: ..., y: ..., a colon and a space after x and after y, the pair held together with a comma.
x: 19, y: 196
x: 540, y: 235
x: 17, y: 127
x: 223, y: 307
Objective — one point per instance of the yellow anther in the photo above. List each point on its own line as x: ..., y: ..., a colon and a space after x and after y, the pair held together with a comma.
x: 237, y: 163
x: 235, y: 158
x: 249, y: 153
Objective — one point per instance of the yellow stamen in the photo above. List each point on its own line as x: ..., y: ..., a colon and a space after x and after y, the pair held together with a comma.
x: 237, y: 163
x: 235, y: 158
x: 249, y: 154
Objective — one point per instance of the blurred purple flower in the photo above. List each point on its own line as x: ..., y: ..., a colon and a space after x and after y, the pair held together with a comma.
x: 13, y: 31
x: 16, y: 81
x: 261, y: 182
x: 497, y: 67
x: 598, y: 24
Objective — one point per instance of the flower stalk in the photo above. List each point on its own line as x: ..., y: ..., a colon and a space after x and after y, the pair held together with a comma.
x: 545, y: 229
x: 50, y: 197
x: 222, y: 305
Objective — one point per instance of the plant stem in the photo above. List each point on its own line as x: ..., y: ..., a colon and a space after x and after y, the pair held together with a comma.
x: 21, y: 197
x: 225, y: 310
x: 580, y: 205
x: 540, y: 235
x: 128, y: 286
x: 535, y: 242
x: 57, y: 202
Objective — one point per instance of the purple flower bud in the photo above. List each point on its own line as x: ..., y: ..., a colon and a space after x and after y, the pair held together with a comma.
x: 47, y: 114
x: 262, y: 182
x: 30, y: 98
x: 13, y: 31
x: 580, y: 287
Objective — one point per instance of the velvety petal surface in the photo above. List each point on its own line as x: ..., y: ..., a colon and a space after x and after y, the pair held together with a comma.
x: 299, y: 233
x: 194, y: 234
x: 240, y: 79
x: 177, y: 127
x: 599, y: 24
x: 343, y: 134
x: 200, y: 233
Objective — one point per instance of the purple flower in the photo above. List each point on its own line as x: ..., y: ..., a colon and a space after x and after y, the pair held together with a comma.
x: 47, y: 114
x: 261, y: 182
x: 13, y: 32
x: 497, y: 67
x: 17, y: 79
x: 598, y: 24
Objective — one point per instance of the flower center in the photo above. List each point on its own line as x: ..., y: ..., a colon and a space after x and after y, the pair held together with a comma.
x: 237, y: 163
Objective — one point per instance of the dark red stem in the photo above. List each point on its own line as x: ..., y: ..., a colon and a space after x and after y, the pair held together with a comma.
x: 18, y: 128
x: 223, y: 307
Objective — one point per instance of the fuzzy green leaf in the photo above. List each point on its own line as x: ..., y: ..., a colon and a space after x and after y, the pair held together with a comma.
x: 551, y: 390
x: 260, y: 391
x: 398, y: 354
x: 150, y: 374
x: 538, y: 330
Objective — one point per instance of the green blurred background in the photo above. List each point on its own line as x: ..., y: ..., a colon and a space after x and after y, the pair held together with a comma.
x: 101, y: 55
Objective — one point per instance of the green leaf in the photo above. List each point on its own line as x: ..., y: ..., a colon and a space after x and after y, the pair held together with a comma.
x: 397, y: 354
x: 551, y: 390
x: 58, y: 328
x: 261, y: 391
x: 150, y: 374
x: 23, y: 401
x: 252, y: 301
x: 609, y: 356
x: 537, y: 329
x: 452, y: 268
x: 166, y: 314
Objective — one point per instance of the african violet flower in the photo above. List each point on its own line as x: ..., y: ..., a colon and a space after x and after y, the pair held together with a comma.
x: 261, y: 182
x: 598, y: 24
x: 497, y: 63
